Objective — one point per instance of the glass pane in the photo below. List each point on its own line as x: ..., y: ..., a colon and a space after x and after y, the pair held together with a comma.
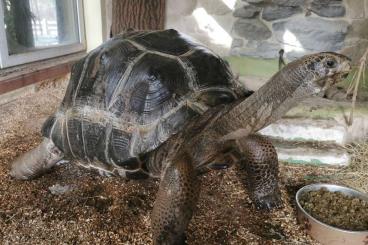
x: 37, y: 24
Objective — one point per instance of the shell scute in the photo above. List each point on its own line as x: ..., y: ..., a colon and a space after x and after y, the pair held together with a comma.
x: 153, y: 87
x: 75, y: 136
x: 119, y: 145
x: 168, y: 41
x: 118, y: 59
x: 211, y: 70
x: 95, y: 141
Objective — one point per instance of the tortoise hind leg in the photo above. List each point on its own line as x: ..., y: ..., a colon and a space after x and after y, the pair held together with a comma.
x: 175, y: 202
x: 259, y: 160
x: 37, y: 161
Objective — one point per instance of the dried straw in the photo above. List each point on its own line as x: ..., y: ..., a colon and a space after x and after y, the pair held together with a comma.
x: 357, y: 77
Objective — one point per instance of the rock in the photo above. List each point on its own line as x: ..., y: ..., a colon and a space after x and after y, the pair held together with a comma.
x: 358, y: 29
x: 354, y: 50
x: 312, y: 34
x: 217, y: 8
x: 355, y: 9
x: 252, y: 29
x: 249, y: 11
x: 275, y: 12
x: 179, y: 7
x: 225, y: 21
x: 326, y: 2
x: 290, y: 3
x: 237, y: 43
x: 253, y: 1
x: 327, y: 10
x: 59, y: 189
x: 263, y: 49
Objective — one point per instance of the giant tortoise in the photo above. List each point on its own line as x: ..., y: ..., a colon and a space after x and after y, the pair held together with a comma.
x: 158, y: 104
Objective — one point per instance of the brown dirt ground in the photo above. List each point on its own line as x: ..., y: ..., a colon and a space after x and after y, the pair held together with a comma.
x: 102, y: 210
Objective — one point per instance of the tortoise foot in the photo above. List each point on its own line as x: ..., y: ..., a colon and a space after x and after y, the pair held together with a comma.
x: 182, y: 240
x: 268, y: 202
x: 172, y: 240
x: 175, y: 202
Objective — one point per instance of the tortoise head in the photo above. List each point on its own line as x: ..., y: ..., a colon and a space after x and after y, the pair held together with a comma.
x: 318, y: 72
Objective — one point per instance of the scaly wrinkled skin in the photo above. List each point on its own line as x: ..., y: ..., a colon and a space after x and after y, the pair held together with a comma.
x: 259, y: 160
x: 228, y: 136
x: 175, y: 202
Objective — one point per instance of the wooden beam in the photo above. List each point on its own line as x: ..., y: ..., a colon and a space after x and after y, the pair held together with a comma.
x: 19, y: 76
x: 34, y: 77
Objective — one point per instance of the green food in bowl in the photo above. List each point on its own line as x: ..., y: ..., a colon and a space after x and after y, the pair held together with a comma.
x: 336, y: 209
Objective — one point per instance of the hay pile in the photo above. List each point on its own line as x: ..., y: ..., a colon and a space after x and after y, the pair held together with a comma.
x: 356, y: 174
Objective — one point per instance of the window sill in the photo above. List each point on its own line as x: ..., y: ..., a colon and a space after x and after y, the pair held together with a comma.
x: 19, y: 76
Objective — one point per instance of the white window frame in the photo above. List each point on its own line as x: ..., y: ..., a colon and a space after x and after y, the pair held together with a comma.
x: 7, y: 60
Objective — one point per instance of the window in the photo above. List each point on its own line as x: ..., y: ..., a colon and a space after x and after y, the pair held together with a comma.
x: 32, y: 30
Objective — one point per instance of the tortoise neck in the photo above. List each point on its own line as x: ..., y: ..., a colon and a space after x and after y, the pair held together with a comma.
x: 265, y: 106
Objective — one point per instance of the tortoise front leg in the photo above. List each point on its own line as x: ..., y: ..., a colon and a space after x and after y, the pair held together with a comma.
x: 176, y: 199
x: 37, y: 161
x: 259, y: 160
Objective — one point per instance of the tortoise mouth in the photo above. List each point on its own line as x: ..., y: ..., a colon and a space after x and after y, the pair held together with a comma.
x: 334, y: 79
x: 344, y: 75
x: 331, y: 81
x: 339, y: 77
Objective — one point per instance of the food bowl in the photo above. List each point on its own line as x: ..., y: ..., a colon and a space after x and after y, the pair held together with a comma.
x: 324, y: 233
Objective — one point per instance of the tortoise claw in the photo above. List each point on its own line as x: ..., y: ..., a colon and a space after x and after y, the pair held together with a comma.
x: 268, y: 202
x: 182, y: 240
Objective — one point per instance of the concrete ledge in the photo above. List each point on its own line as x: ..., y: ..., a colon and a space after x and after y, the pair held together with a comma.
x: 322, y: 120
x: 337, y: 156
x: 305, y: 129
x: 316, y: 132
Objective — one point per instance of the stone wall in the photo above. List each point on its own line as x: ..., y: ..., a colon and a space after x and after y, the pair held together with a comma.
x: 260, y: 28
x: 208, y: 21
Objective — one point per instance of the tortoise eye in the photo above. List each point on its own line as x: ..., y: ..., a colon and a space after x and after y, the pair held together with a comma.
x: 331, y: 63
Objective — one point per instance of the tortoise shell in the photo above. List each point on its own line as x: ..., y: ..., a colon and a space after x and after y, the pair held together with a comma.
x: 134, y: 92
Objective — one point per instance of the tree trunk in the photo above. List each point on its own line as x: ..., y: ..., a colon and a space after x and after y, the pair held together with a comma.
x: 23, y: 22
x: 20, y: 25
x: 137, y: 15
